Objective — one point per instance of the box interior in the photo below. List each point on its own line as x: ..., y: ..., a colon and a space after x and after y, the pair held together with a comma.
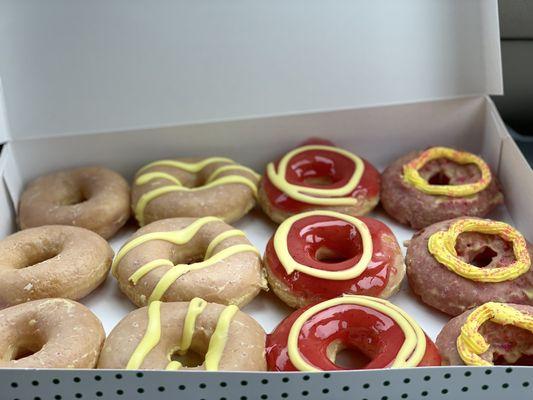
x: 379, y: 134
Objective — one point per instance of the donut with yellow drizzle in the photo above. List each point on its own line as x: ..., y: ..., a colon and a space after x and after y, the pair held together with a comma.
x: 178, y: 259
x: 193, y: 187
x: 317, y: 175
x: 440, y: 183
x: 491, y: 334
x: 318, y: 255
x: 310, y: 338
x: 465, y: 262
x: 186, y: 335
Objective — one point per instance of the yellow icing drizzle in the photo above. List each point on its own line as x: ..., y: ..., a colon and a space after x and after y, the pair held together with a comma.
x: 311, y: 195
x: 150, y: 338
x: 196, y: 307
x: 291, y: 265
x: 178, y: 270
x: 471, y: 344
x: 442, y: 246
x: 409, y: 355
x: 193, y: 167
x: 219, y: 338
x: 412, y: 177
x: 220, y: 238
x: 134, y: 278
x: 176, y: 237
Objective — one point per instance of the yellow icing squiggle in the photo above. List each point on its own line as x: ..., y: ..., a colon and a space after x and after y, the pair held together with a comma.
x: 219, y: 338
x: 150, y: 339
x: 291, y: 265
x: 152, y: 336
x: 410, y: 354
x: 192, y: 167
x: 412, y: 177
x: 312, y: 195
x: 471, y: 344
x: 442, y: 245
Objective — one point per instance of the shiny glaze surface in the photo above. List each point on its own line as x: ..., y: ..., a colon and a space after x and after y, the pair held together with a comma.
x: 333, y: 169
x: 371, y: 332
x: 314, y: 234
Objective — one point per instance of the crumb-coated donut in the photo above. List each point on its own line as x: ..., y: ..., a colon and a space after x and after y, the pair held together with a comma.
x: 52, y: 261
x: 193, y: 187
x: 424, y: 187
x: 485, y: 267
x: 310, y: 338
x: 318, y: 255
x: 94, y: 198
x: 193, y: 335
x: 317, y: 175
x: 177, y: 259
x: 503, y: 332
x: 50, y: 333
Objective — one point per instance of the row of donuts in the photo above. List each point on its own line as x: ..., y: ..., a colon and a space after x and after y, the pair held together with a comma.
x: 350, y: 252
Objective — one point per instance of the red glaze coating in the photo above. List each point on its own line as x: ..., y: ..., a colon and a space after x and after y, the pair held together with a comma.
x: 321, y: 164
x: 374, y: 334
x: 309, y: 234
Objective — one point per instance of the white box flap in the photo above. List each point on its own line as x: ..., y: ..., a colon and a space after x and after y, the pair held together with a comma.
x: 77, y: 66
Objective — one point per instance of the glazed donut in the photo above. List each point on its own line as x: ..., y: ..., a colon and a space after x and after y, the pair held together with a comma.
x: 195, y: 335
x: 318, y: 176
x: 49, y: 333
x: 493, y: 333
x: 310, y: 338
x: 464, y: 262
x: 52, y: 261
x: 180, y: 258
x: 437, y: 184
x: 319, y: 255
x: 193, y: 187
x: 94, y: 198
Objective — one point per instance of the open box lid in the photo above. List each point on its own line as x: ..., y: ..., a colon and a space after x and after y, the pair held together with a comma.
x: 75, y: 66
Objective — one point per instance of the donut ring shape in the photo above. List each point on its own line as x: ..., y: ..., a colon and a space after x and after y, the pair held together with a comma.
x: 220, y: 338
x: 442, y: 288
x: 94, y: 198
x: 318, y: 255
x: 495, y: 333
x: 318, y: 175
x: 412, y: 206
x: 50, y: 333
x: 309, y: 338
x: 193, y: 187
x: 52, y: 261
x: 178, y: 259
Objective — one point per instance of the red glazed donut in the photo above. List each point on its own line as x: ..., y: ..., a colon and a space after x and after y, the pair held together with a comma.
x: 310, y: 338
x: 329, y: 244
x: 318, y: 175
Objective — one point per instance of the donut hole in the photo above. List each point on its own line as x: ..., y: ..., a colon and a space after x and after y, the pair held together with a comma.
x: 37, y: 254
x: 319, y: 180
x: 347, y: 357
x: 483, y: 257
x: 442, y: 171
x: 484, y: 250
x: 24, y: 347
x: 190, y: 359
x: 75, y: 197
x: 331, y: 256
x: 315, y: 171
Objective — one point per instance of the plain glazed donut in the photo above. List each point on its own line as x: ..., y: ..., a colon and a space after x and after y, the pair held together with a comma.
x: 195, y: 335
x: 49, y: 333
x: 318, y: 176
x: 52, y: 261
x: 481, y: 271
x: 437, y: 184
x: 180, y: 258
x: 503, y: 332
x: 318, y: 255
x: 310, y: 338
x: 193, y: 187
x: 94, y: 198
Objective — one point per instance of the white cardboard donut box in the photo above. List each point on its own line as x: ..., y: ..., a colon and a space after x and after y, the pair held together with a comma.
x: 379, y: 79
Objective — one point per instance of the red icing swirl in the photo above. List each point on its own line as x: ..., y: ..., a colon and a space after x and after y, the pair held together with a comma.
x: 332, y: 244
x: 333, y: 169
x: 372, y: 333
